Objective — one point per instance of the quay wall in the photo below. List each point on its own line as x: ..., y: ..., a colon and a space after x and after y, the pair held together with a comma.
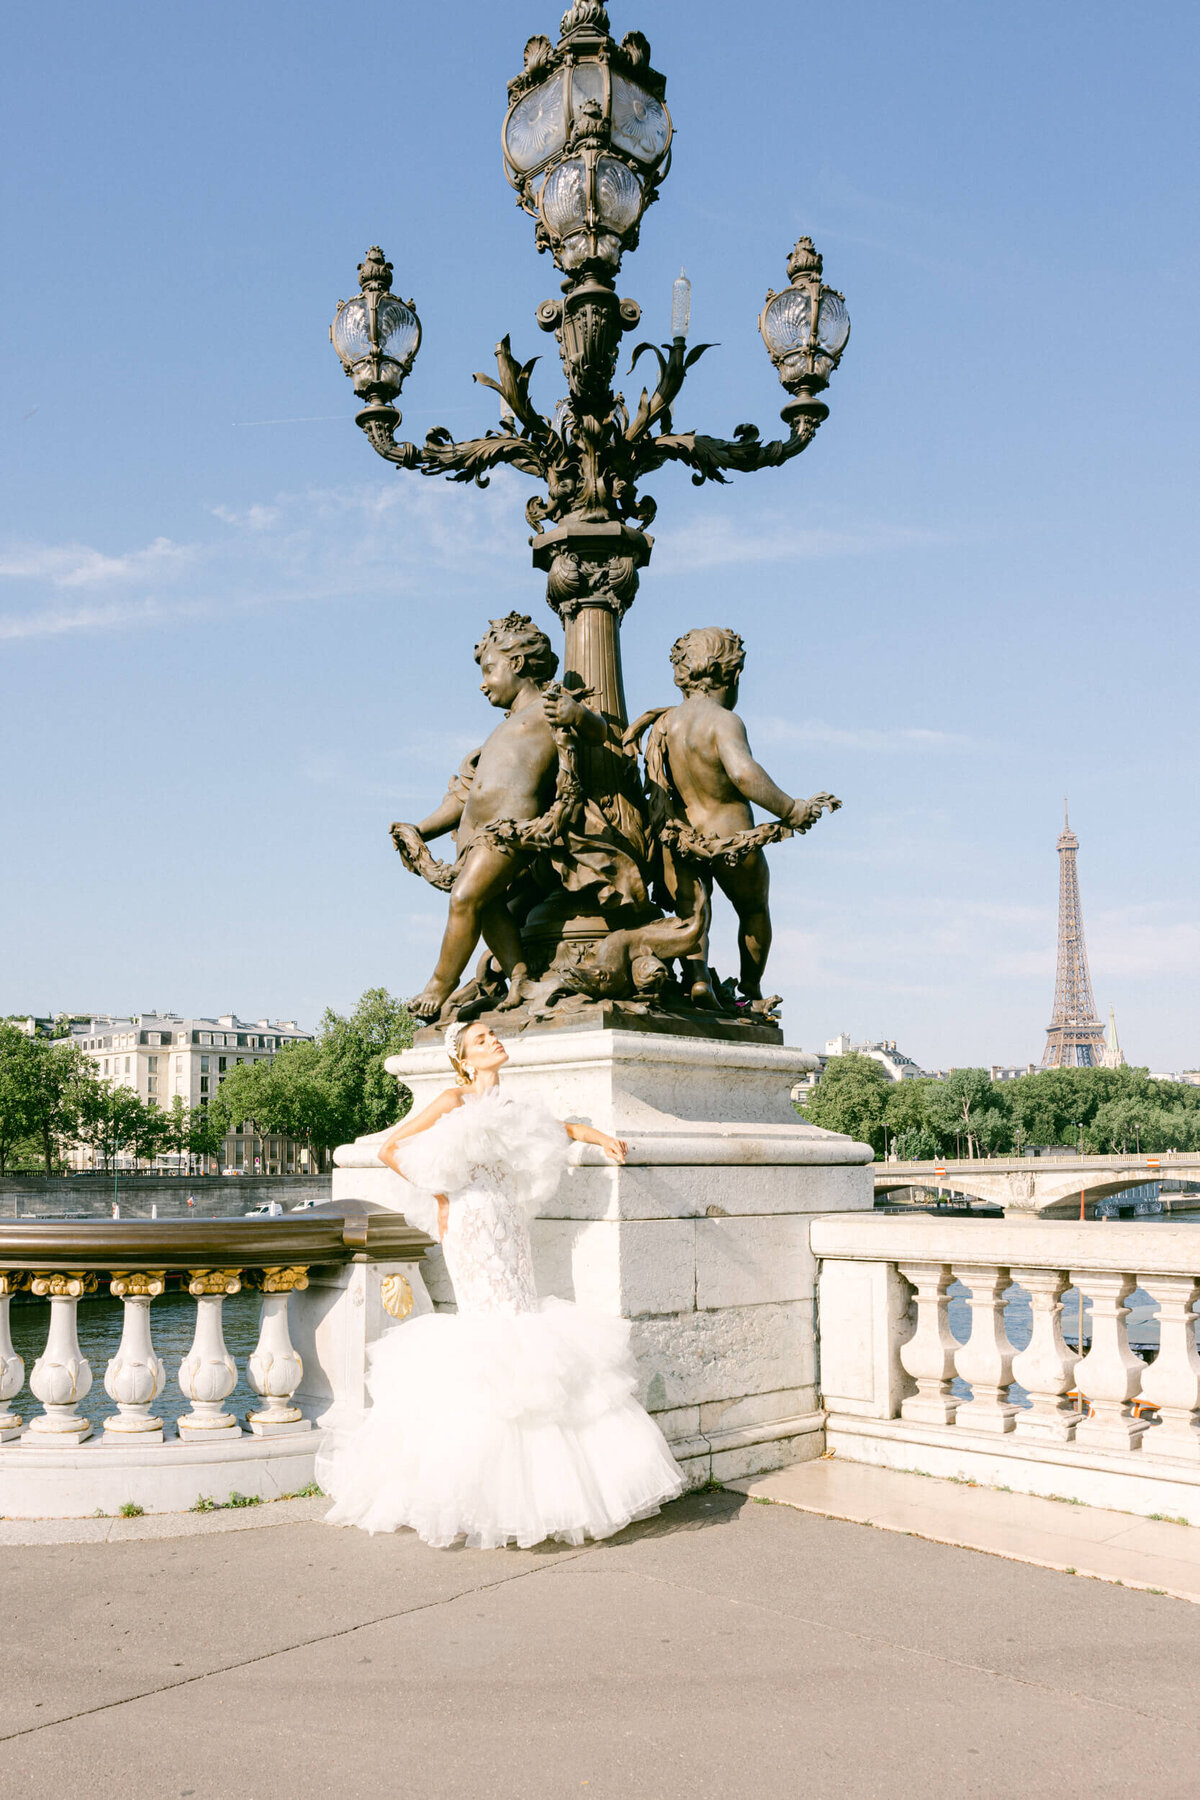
x: 216, y: 1196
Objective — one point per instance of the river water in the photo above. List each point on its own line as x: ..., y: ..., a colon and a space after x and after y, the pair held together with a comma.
x: 173, y: 1322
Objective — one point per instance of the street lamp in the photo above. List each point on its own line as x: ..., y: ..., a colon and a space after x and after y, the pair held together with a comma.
x: 376, y: 335
x: 806, y: 327
x: 586, y: 143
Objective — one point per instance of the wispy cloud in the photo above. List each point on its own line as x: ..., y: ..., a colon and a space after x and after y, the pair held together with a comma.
x: 705, y: 542
x: 816, y: 731
x: 79, y: 565
x: 306, y: 548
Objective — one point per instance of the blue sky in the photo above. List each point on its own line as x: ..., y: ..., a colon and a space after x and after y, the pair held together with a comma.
x: 231, y: 650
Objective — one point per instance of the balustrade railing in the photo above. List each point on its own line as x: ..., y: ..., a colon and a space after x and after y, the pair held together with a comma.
x: 209, y: 1260
x: 889, y: 1353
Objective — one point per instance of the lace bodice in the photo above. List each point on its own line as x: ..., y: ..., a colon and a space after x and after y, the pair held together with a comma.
x: 498, y: 1161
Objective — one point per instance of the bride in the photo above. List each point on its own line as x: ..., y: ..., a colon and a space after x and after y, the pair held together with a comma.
x: 513, y: 1419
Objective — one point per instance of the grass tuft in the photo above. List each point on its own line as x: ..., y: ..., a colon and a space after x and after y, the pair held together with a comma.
x: 203, y: 1503
x: 131, y: 1510
x: 236, y: 1499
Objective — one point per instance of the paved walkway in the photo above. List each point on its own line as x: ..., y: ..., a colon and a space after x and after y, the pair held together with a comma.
x: 1160, y: 1555
x: 726, y: 1648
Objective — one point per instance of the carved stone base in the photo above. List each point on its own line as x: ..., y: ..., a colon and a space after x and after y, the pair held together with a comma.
x: 582, y: 1014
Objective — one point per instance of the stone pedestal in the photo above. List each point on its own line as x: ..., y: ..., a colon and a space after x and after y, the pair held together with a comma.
x: 701, y: 1239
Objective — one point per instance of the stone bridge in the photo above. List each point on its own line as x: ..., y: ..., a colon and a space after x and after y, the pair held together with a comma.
x: 1048, y: 1185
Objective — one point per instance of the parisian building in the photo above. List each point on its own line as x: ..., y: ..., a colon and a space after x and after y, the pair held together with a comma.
x: 164, y: 1058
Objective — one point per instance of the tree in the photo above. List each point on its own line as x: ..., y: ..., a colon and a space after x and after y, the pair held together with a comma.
x: 955, y: 1105
x: 61, y: 1083
x: 850, y: 1097
x: 115, y: 1119
x: 292, y: 1095
x: 352, y: 1052
x: 14, y: 1090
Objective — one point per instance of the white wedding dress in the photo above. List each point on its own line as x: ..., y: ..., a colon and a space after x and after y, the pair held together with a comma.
x: 512, y: 1420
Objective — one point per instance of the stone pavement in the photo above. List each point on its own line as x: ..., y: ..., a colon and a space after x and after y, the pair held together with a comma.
x: 1162, y: 1555
x: 728, y: 1648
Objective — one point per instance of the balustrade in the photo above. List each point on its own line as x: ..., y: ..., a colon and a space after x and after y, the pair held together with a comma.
x: 208, y: 1260
x: 1135, y: 1412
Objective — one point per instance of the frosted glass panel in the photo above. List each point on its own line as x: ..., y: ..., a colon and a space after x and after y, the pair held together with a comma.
x: 564, y: 197
x: 536, y: 128
x: 351, y: 339
x: 787, y: 321
x: 398, y: 330
x: 833, y: 327
x: 639, y: 124
x: 587, y: 84
x: 618, y: 194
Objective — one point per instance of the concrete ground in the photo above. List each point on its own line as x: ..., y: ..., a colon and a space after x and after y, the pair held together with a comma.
x: 727, y: 1648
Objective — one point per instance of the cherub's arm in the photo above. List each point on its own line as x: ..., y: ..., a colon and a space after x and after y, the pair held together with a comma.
x: 747, y: 775
x: 572, y: 715
x: 448, y: 814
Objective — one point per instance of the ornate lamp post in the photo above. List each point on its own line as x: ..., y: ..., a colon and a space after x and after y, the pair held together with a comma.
x: 586, y: 142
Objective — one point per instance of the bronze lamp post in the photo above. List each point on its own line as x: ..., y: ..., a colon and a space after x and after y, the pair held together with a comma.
x: 586, y: 142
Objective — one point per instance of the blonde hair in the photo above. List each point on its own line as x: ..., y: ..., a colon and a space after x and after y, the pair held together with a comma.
x: 464, y: 1074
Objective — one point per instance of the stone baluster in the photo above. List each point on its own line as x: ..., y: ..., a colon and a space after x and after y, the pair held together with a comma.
x: 1172, y: 1381
x: 928, y: 1356
x: 12, y: 1367
x: 1110, y: 1374
x: 135, y: 1376
x: 62, y: 1375
x: 986, y: 1359
x: 1044, y: 1367
x: 275, y: 1370
x: 208, y: 1374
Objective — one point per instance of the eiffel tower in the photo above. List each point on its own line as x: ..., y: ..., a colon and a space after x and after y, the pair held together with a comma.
x: 1075, y: 1036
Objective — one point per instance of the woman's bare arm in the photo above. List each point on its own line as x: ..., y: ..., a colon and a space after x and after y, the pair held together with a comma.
x: 429, y: 1115
x: 614, y: 1148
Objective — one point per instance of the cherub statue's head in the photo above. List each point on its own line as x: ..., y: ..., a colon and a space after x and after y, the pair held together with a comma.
x: 708, y: 660
x: 513, y: 650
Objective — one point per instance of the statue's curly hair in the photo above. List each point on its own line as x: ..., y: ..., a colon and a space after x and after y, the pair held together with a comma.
x: 517, y: 635
x: 708, y: 657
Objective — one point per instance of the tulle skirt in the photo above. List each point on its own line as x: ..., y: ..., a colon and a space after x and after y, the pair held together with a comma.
x: 501, y: 1428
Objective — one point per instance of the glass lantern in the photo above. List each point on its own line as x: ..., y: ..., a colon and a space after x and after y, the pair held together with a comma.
x: 585, y: 143
x: 376, y: 335
x: 806, y: 327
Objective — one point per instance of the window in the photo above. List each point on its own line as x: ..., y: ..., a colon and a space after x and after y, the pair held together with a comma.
x: 127, y: 1065
x: 204, y: 1062
x: 179, y: 1065
x: 152, y: 1064
x: 106, y: 1065
x: 152, y: 1084
x: 152, y: 1101
x: 203, y: 1086
x: 221, y: 1061
x: 206, y: 1037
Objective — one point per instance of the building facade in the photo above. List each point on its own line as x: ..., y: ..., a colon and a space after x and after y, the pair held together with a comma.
x: 164, y: 1057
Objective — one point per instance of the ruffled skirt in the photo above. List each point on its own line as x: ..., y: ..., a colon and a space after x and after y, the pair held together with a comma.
x: 502, y: 1428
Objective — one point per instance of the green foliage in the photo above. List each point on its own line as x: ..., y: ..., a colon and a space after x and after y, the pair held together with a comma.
x: 1104, y: 1111
x: 352, y: 1054
x: 851, y: 1096
x: 131, y: 1510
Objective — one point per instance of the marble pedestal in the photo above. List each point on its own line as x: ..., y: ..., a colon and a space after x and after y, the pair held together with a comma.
x: 701, y: 1239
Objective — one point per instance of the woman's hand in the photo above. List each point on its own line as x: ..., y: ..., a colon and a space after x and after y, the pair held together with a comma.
x: 616, y: 1149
